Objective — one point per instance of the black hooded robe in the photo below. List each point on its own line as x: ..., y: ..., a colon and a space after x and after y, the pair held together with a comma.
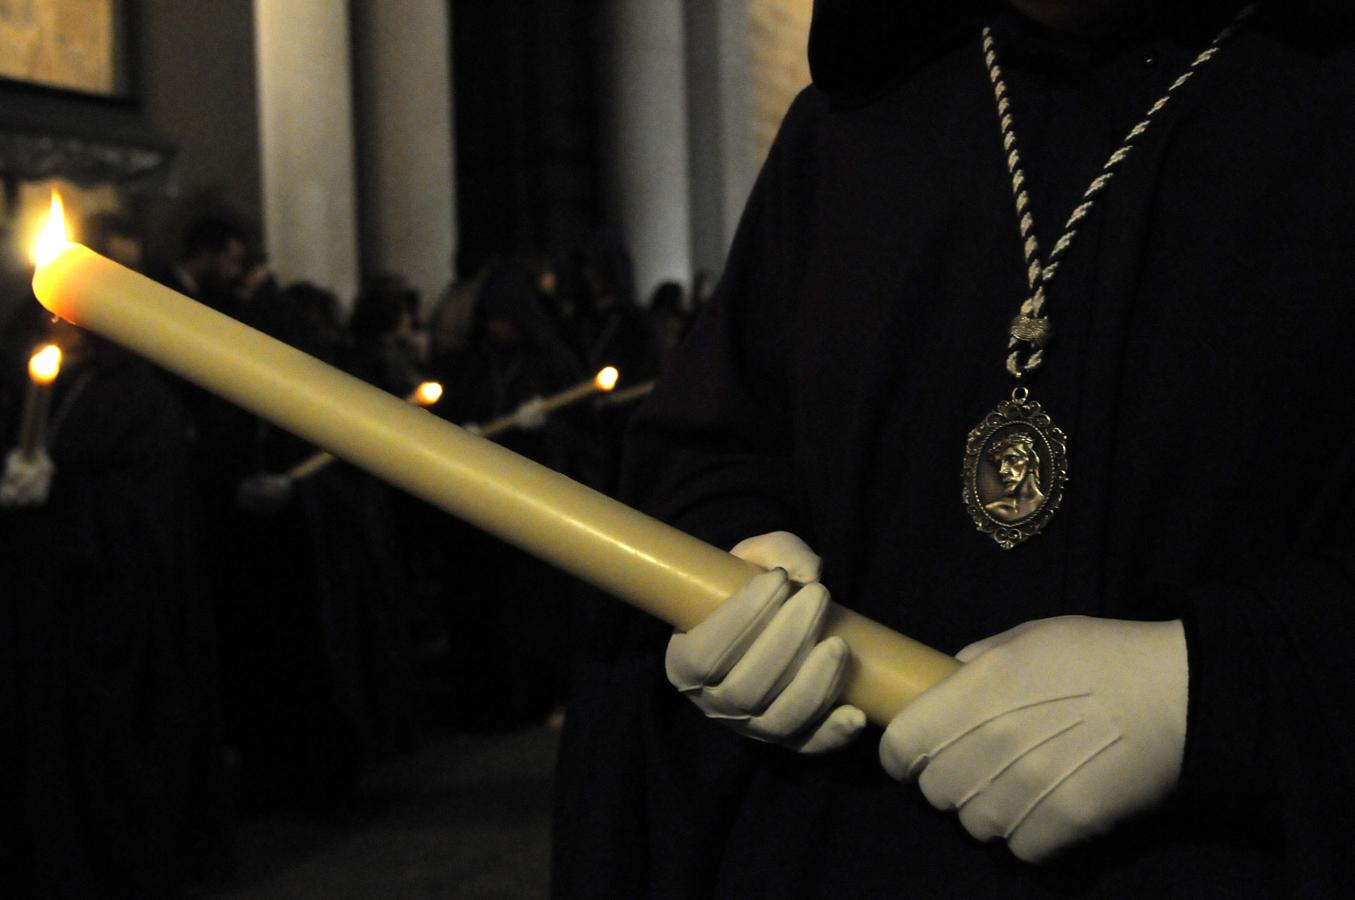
x: 1202, y: 371
x: 108, y: 654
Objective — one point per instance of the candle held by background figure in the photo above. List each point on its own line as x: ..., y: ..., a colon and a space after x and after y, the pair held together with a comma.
x: 531, y: 413
x: 43, y: 367
x: 640, y: 560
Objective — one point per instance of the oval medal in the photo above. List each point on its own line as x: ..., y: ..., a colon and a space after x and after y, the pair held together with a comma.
x: 1015, y: 467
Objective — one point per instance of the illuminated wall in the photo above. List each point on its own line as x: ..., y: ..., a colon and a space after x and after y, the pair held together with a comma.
x: 778, y: 35
x: 306, y: 140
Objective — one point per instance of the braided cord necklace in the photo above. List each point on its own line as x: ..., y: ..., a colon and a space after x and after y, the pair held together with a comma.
x: 1016, y: 459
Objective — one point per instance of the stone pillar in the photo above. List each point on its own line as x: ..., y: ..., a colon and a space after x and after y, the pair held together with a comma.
x: 723, y: 160
x: 402, y: 61
x: 306, y: 141
x: 644, y: 136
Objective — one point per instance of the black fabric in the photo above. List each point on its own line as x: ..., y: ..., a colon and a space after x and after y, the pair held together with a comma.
x: 859, y: 49
x: 116, y: 749
x: 1201, y: 369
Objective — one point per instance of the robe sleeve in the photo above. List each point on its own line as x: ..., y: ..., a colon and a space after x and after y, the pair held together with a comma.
x: 1272, y: 700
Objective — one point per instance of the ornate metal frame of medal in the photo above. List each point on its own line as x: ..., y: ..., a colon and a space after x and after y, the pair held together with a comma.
x: 1015, y: 467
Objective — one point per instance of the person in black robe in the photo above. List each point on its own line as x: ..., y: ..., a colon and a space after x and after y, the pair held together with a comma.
x: 313, y: 595
x: 1199, y: 369
x: 504, y: 610
x: 110, y: 677
x: 613, y: 331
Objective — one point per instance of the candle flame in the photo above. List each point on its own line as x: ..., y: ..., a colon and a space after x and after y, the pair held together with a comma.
x: 54, y: 237
x: 428, y: 393
x: 45, y: 363
x: 607, y: 378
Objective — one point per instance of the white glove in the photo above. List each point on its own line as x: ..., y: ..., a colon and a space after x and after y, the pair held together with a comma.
x: 757, y: 664
x: 27, y: 479
x: 531, y: 414
x: 264, y: 494
x: 1051, y: 732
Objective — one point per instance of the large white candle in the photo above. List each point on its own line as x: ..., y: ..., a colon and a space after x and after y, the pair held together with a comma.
x: 426, y: 394
x: 638, y: 559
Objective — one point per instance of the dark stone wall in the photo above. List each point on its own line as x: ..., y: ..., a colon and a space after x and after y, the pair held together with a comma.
x: 196, y: 85
x: 525, y: 126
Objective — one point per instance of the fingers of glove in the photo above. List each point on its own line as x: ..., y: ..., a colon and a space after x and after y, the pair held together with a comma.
x: 705, y: 654
x: 1038, y: 826
x: 1035, y: 795
x: 774, y: 658
x: 927, y: 724
x: 838, y: 729
x: 981, y: 756
x: 1062, y: 820
x: 808, y: 696
x: 781, y: 550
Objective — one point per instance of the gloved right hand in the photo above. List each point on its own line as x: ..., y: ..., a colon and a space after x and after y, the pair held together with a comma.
x: 757, y: 664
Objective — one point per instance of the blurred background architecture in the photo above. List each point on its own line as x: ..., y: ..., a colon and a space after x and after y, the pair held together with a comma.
x: 225, y: 672
x: 416, y: 136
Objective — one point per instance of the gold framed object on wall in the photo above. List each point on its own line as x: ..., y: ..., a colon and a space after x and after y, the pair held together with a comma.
x: 82, y: 46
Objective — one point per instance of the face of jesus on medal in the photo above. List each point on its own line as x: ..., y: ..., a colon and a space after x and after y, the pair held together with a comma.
x: 1018, y: 469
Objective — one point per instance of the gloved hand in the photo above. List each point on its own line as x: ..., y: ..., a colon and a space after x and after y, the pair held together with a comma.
x: 531, y: 414
x: 757, y: 664
x: 1051, y: 732
x: 27, y: 479
x: 263, y: 494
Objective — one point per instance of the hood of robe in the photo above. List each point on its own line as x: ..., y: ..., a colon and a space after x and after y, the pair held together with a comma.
x: 859, y: 49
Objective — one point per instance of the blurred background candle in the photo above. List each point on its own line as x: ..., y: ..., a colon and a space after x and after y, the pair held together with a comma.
x: 43, y: 368
x: 629, y: 395
x: 604, y: 381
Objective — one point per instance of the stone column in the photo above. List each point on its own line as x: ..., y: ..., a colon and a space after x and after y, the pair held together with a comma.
x: 402, y: 61
x: 644, y: 136
x: 723, y: 161
x: 306, y: 142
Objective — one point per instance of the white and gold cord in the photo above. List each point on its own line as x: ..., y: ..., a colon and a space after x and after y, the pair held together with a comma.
x: 1030, y: 330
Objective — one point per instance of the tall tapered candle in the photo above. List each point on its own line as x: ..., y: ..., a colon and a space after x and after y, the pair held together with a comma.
x: 43, y: 368
x: 628, y: 395
x: 603, y: 381
x: 426, y: 394
x: 638, y: 559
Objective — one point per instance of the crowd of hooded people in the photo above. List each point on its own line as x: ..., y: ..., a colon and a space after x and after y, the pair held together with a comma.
x: 190, y: 634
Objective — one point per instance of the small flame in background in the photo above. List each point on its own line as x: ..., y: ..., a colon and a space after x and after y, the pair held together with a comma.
x: 45, y: 363
x: 428, y: 393
x: 607, y: 378
x: 54, y: 237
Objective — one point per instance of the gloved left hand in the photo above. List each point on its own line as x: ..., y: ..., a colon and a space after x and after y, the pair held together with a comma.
x: 264, y: 494
x: 756, y: 663
x: 1051, y: 732
x: 531, y: 414
x: 27, y: 479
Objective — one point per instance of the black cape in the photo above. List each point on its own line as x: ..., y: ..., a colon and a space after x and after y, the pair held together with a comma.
x: 1202, y: 372
x: 111, y: 744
